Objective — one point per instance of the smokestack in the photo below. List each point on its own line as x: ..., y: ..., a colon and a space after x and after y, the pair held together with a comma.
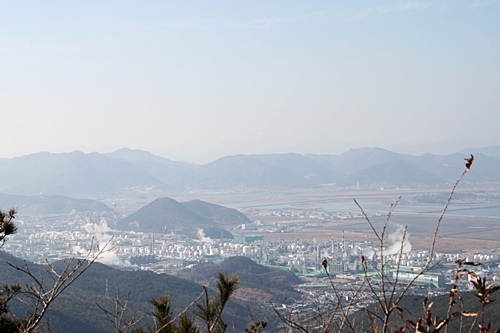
x: 344, y: 254
x: 106, y: 292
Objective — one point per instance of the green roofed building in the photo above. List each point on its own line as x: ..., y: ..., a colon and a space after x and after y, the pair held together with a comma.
x: 437, y: 280
x: 317, y: 274
x: 247, y: 238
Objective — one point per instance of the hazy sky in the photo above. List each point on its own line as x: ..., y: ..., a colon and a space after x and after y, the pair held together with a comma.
x: 196, y: 80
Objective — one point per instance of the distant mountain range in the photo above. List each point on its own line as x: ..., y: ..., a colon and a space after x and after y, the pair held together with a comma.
x: 135, y: 172
x: 186, y: 217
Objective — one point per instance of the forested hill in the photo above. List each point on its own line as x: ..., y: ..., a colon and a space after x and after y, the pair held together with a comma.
x: 256, y: 281
x: 168, y: 214
x: 76, y: 311
x: 221, y: 215
x: 413, y: 309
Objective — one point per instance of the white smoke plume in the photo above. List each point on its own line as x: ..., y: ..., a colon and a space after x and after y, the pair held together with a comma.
x: 394, y: 239
x: 203, y: 238
x: 79, y: 251
x: 102, y: 235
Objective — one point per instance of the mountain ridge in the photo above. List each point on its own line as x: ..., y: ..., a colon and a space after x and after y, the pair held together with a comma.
x: 137, y: 173
x: 75, y: 309
x: 51, y: 204
x: 168, y: 214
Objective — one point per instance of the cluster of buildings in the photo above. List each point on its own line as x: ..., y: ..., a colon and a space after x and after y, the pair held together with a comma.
x: 318, y: 214
x: 55, y: 237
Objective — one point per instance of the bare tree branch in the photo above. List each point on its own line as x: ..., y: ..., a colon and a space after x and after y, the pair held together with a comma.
x: 42, y: 295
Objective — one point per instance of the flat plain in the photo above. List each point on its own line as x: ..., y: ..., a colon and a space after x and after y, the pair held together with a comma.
x: 466, y: 226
